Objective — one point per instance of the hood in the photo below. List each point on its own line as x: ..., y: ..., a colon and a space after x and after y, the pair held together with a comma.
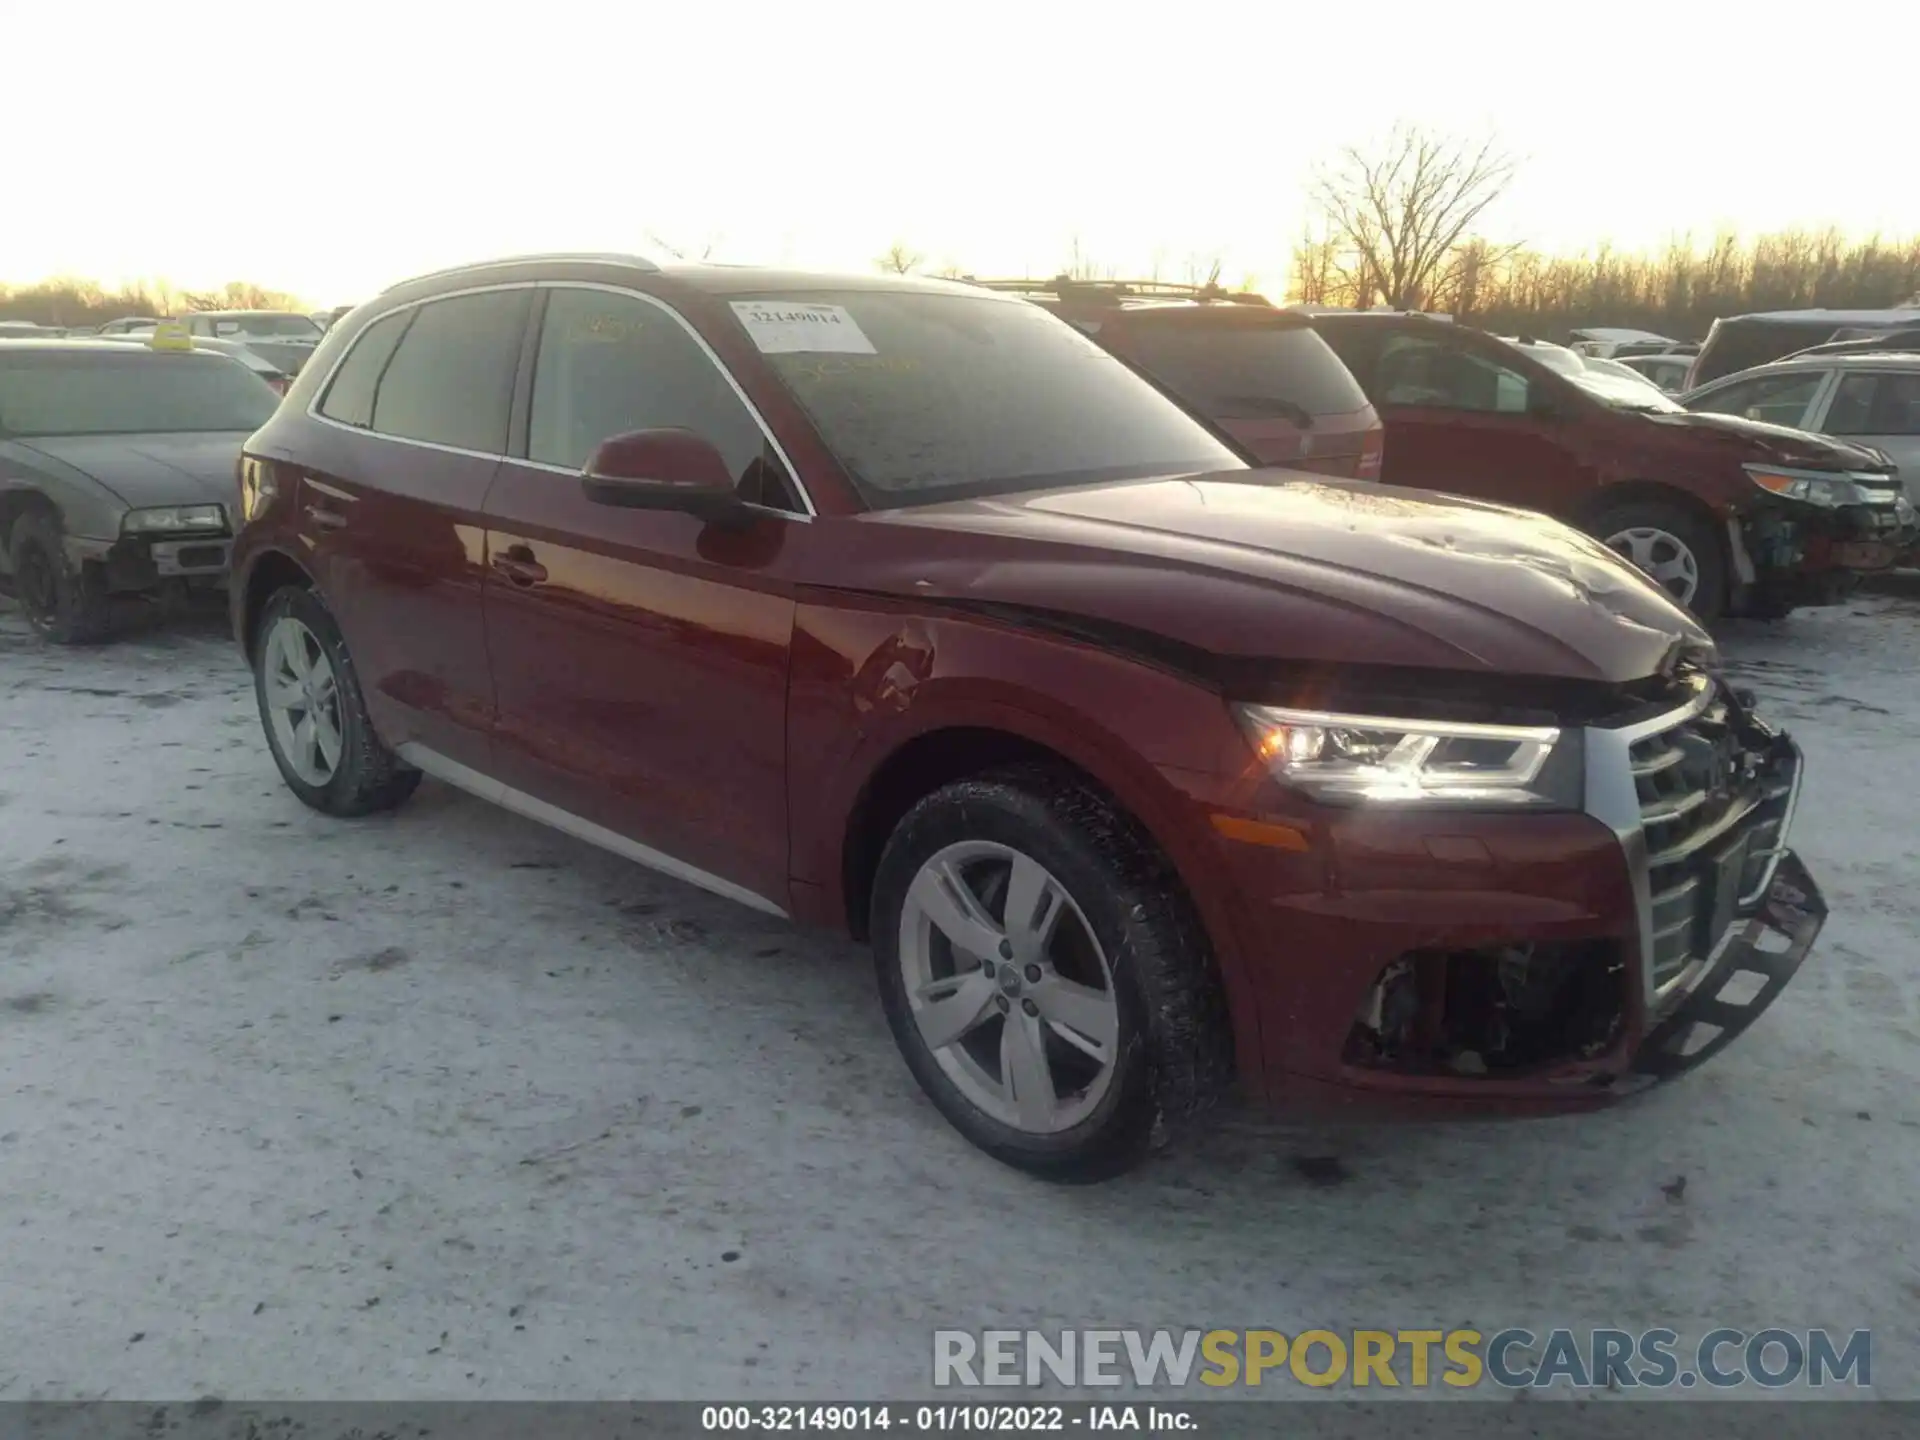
x: 1774, y: 444
x: 146, y: 470
x: 1282, y: 566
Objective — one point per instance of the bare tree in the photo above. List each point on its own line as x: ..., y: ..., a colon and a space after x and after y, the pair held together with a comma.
x: 900, y: 259
x: 1203, y: 269
x: 1082, y: 266
x: 687, y: 254
x: 1397, y: 218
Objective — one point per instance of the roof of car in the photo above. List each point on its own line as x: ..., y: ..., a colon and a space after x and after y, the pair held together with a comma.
x: 58, y: 345
x: 230, y: 314
x: 1859, y: 360
x: 1374, y: 317
x: 1909, y: 315
x: 713, y: 278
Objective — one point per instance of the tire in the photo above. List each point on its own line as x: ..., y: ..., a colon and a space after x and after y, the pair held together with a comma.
x: 1126, y: 950
x: 63, y: 603
x: 1669, y: 535
x: 298, y: 641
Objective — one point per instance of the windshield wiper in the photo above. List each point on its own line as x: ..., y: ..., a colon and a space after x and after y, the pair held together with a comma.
x: 1267, y: 405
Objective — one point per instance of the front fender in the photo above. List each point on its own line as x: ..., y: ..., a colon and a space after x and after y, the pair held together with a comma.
x: 88, y: 509
x: 868, y: 681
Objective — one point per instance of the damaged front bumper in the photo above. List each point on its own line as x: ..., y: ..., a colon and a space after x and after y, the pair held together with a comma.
x: 133, y: 564
x: 1789, y: 554
x: 1758, y: 956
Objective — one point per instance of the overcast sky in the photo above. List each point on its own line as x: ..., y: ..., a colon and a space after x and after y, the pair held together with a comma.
x: 331, y: 148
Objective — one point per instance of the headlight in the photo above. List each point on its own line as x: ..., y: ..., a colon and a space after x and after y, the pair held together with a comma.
x: 1813, y: 486
x: 1366, y: 759
x: 175, y: 517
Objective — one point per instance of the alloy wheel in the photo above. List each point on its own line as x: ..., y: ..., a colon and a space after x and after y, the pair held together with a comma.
x: 1008, y: 986
x: 302, y: 701
x: 1664, y: 557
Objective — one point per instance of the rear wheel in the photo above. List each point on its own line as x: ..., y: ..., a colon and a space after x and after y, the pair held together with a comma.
x: 315, y: 715
x: 1044, y: 974
x: 1674, y: 548
x: 64, y: 602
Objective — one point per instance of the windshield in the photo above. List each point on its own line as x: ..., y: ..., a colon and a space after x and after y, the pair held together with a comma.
x: 927, y: 396
x: 1624, y: 392
x: 137, y: 393
x: 1247, y: 372
x: 291, y: 327
x: 1554, y: 357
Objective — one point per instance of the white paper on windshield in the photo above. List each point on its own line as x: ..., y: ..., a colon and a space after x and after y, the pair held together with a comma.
x: 783, y: 328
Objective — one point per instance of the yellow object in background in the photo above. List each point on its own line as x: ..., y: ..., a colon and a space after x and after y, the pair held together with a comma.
x: 171, y: 335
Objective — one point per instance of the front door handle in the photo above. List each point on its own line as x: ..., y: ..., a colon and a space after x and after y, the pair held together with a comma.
x: 516, y: 562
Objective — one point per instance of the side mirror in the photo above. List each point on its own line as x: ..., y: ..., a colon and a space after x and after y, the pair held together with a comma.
x: 664, y: 469
x: 1545, y: 405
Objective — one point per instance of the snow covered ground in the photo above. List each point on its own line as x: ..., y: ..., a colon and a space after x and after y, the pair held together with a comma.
x: 445, y: 1104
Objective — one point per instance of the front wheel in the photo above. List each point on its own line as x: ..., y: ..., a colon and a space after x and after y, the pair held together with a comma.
x: 315, y: 716
x: 1044, y: 974
x: 1672, y: 547
x: 63, y: 602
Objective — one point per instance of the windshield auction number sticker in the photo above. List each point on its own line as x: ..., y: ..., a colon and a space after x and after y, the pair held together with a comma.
x: 784, y: 328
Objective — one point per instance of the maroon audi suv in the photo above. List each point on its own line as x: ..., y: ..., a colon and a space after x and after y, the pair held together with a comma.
x: 902, y: 607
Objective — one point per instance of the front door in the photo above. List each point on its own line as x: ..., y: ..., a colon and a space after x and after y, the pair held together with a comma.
x: 392, y: 503
x: 1880, y: 408
x: 1461, y: 421
x: 640, y: 657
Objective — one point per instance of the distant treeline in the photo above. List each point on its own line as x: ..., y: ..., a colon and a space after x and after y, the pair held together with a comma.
x: 85, y: 302
x: 1679, y: 291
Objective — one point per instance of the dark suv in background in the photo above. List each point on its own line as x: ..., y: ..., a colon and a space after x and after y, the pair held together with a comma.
x: 1257, y: 374
x: 1728, y: 515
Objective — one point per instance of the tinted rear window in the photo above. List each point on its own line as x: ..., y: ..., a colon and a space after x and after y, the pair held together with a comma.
x: 926, y: 396
x: 1246, y: 372
x: 135, y: 393
x: 1735, y: 345
x: 350, y: 394
x: 451, y: 380
x: 292, y: 327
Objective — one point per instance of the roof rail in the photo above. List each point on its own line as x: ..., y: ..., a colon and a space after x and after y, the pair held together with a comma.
x: 1067, y: 287
x: 634, y: 262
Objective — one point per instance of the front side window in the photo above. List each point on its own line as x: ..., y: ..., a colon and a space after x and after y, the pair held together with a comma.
x: 1424, y: 370
x: 925, y: 396
x: 1883, y: 402
x: 135, y: 393
x: 610, y: 364
x: 1776, y: 399
x: 450, y: 382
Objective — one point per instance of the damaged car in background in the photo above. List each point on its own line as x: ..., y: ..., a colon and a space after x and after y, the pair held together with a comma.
x: 902, y: 607
x: 1728, y: 515
x: 117, y: 465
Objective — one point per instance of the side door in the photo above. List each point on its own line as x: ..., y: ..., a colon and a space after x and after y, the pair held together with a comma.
x: 1880, y: 408
x: 417, y: 417
x: 1462, y: 421
x: 640, y: 657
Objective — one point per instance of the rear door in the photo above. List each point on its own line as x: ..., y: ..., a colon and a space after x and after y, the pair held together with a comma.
x: 417, y: 413
x: 1880, y: 408
x: 1462, y: 420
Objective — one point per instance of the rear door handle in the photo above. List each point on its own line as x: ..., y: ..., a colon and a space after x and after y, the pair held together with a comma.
x: 516, y: 562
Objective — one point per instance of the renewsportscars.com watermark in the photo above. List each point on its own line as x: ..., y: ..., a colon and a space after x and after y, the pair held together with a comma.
x: 1415, y: 1359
